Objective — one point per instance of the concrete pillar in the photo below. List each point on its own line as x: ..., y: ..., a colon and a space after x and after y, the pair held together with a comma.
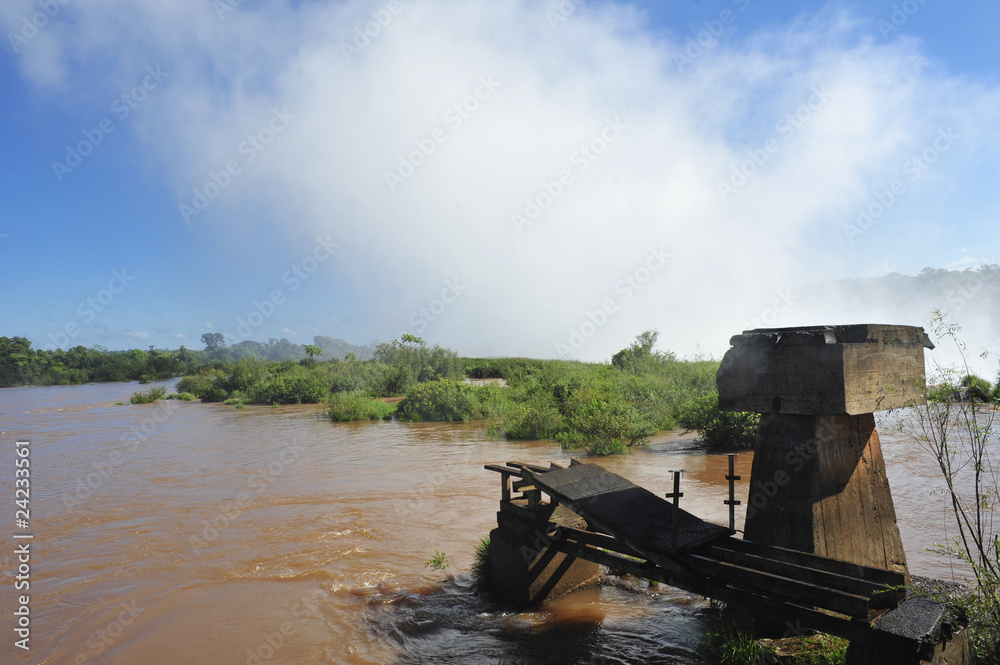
x: 526, y: 570
x: 818, y: 485
x: 818, y: 481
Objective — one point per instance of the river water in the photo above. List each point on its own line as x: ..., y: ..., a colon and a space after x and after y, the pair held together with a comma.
x: 187, y: 533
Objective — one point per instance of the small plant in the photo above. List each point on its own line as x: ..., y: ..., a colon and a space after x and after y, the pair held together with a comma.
x: 481, y: 564
x: 438, y: 562
x: 148, y: 396
x: 724, y: 645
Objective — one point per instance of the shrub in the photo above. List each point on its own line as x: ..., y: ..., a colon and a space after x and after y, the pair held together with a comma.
x: 607, y: 427
x: 976, y: 388
x: 148, y: 396
x: 443, y: 400
x: 184, y: 397
x: 528, y: 421
x: 197, y: 384
x: 356, y: 405
x: 720, y: 430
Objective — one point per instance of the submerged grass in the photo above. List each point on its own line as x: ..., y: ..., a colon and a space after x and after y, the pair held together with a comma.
x: 356, y: 405
x: 481, y: 572
x: 148, y: 396
x: 600, y: 408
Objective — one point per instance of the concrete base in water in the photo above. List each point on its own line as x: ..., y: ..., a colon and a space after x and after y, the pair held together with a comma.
x: 525, y: 570
x: 819, y: 485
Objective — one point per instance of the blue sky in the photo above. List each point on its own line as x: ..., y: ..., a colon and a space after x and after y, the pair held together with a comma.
x: 543, y: 178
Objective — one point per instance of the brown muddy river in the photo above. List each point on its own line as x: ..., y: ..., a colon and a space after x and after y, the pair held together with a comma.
x: 187, y: 533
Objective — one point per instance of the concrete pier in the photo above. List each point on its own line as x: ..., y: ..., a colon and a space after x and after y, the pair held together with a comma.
x: 818, y: 482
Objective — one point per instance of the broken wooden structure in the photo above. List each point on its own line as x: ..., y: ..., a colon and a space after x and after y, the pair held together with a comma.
x: 821, y: 548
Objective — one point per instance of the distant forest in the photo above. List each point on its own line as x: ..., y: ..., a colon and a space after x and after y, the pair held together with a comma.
x: 964, y: 295
x: 22, y: 365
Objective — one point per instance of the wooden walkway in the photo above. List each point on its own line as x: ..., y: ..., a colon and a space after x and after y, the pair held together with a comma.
x: 631, y: 529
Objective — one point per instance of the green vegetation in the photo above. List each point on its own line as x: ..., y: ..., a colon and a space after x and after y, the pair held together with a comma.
x: 444, y: 400
x: 820, y: 649
x: 726, y: 645
x: 601, y: 408
x: 356, y: 405
x: 975, y: 388
x: 481, y: 572
x: 956, y: 428
x: 720, y: 430
x: 184, y: 397
x: 148, y: 396
x: 438, y: 562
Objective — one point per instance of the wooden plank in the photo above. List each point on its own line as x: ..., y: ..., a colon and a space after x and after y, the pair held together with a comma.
x: 504, y: 469
x: 597, y: 540
x: 642, y: 569
x: 887, y: 577
x: 529, y: 466
x: 876, y: 592
x: 619, y: 507
x: 811, y: 594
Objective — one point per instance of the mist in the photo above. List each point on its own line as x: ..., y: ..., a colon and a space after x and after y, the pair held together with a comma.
x: 509, y: 179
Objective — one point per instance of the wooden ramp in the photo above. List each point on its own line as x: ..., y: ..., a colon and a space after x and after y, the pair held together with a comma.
x: 620, y: 508
x: 631, y: 529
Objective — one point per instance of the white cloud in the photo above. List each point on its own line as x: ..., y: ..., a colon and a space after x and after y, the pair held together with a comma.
x: 872, y: 106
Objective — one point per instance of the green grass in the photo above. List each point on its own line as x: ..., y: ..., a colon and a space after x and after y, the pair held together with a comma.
x: 356, y: 405
x: 725, y: 645
x: 481, y: 572
x: 148, y: 396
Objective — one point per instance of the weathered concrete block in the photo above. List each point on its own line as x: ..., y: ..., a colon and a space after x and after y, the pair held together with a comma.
x: 526, y: 571
x: 818, y: 485
x: 815, y: 370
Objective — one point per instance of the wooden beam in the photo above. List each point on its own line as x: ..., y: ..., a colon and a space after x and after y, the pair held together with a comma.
x: 887, y: 577
x: 850, y: 604
x: 877, y: 592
